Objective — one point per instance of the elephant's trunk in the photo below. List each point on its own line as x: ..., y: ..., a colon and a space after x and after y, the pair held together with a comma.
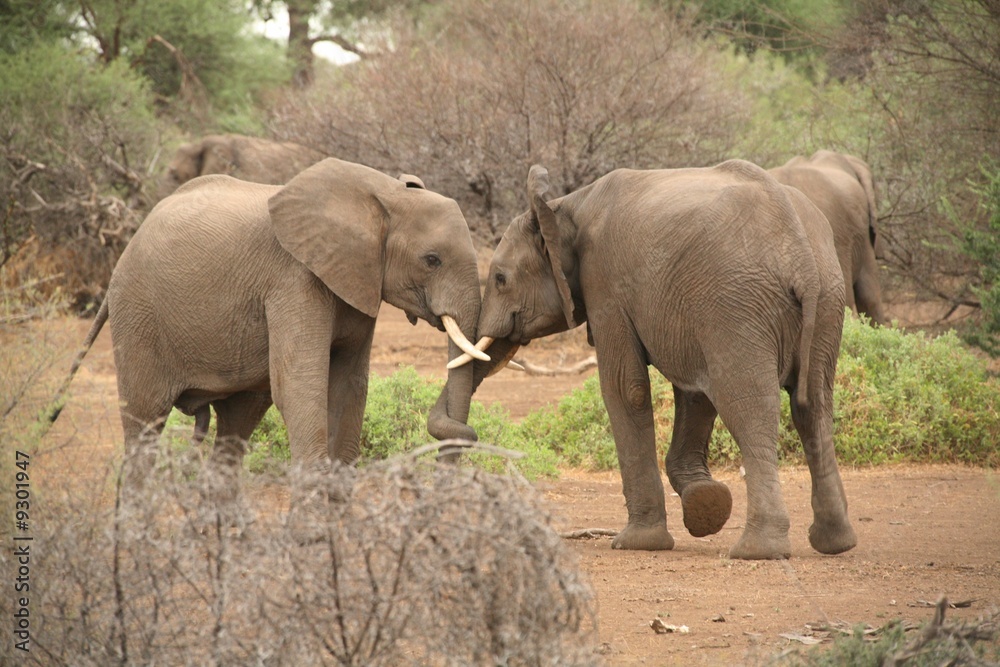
x: 448, y: 417
x: 450, y: 413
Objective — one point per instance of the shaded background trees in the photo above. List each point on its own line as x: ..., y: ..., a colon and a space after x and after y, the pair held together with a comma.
x: 468, y: 93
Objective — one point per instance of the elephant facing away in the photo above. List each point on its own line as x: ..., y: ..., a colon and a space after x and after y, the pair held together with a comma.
x: 236, y: 294
x: 728, y: 283
x: 247, y: 158
x: 841, y: 187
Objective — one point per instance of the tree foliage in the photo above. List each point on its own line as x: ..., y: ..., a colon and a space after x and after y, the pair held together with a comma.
x: 77, y: 142
x: 479, y: 92
x: 981, y: 244
x: 932, y: 117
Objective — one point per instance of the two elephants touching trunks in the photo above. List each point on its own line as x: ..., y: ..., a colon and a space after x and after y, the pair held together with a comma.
x: 732, y: 285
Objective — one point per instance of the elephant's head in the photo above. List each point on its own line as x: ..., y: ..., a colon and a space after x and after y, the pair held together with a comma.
x: 529, y: 290
x: 209, y: 155
x: 372, y: 238
x: 527, y: 293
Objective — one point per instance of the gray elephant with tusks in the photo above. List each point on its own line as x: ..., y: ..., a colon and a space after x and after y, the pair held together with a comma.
x: 728, y: 283
x: 235, y: 294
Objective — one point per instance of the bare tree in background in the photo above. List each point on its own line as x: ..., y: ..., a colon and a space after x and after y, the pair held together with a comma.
x: 482, y: 90
x: 928, y: 121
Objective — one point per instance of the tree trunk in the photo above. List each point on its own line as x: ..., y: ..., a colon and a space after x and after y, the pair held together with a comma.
x: 299, y: 43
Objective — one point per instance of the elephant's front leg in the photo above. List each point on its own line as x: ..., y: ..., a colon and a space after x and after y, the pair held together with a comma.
x: 347, y: 393
x: 299, y: 340
x: 706, y: 503
x: 625, y: 387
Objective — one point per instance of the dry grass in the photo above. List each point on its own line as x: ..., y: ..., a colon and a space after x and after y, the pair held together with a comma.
x: 401, y: 562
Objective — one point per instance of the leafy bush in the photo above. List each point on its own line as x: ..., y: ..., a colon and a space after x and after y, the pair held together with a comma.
x: 898, y: 397
x: 911, y: 397
x: 395, y: 422
x: 76, y: 145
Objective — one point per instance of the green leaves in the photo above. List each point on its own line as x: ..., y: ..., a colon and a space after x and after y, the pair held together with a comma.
x: 898, y: 397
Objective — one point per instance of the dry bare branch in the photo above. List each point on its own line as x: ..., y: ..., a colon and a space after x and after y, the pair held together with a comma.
x: 574, y: 369
x: 402, y: 562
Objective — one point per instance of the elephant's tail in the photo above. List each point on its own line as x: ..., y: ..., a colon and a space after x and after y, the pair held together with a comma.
x: 95, y: 328
x: 809, y: 298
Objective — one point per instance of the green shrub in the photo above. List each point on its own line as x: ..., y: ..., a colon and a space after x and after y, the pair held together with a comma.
x: 268, y: 450
x: 77, y: 143
x: 953, y: 643
x: 577, y: 430
x: 396, y: 413
x: 911, y: 397
x: 898, y: 397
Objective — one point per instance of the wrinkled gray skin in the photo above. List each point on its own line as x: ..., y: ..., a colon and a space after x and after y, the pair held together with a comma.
x: 841, y: 187
x: 234, y: 294
x: 728, y: 283
x: 247, y: 158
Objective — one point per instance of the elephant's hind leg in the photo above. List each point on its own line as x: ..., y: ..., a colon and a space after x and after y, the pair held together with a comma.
x: 237, y: 416
x: 750, y: 409
x: 831, y: 531
x: 142, y: 427
x: 707, y: 504
x: 868, y: 291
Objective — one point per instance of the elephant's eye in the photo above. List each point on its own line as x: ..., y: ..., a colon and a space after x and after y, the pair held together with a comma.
x: 501, y: 279
x: 433, y: 260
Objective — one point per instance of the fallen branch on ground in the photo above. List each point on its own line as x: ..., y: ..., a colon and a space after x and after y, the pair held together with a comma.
x: 588, y: 533
x: 575, y: 369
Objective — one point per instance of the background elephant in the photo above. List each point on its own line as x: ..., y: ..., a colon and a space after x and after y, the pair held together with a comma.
x: 247, y: 158
x: 728, y: 283
x: 841, y: 186
x: 233, y: 294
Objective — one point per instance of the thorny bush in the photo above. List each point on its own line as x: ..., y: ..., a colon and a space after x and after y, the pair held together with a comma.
x: 405, y: 561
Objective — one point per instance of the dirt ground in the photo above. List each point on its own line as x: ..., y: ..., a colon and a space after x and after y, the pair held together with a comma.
x: 924, y: 531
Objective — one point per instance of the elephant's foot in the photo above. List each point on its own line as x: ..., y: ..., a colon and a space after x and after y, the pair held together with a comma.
x: 707, y: 505
x: 832, y: 536
x: 762, y: 545
x: 644, y: 538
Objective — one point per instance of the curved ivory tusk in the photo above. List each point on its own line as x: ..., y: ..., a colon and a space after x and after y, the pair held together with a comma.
x: 507, y: 361
x: 514, y: 366
x: 456, y: 335
x: 465, y: 358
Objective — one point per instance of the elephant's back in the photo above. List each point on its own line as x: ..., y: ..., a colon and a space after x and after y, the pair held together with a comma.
x: 206, y: 250
x: 733, y: 207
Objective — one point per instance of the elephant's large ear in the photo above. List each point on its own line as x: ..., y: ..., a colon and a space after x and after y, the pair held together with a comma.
x: 538, y: 187
x: 412, y: 181
x: 331, y: 219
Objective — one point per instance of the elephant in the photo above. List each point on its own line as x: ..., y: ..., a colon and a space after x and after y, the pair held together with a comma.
x: 841, y: 186
x: 247, y: 158
x: 236, y: 294
x: 728, y: 284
